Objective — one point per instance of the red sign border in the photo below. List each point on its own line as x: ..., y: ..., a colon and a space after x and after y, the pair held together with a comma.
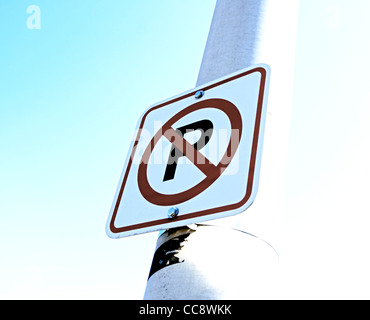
x: 202, y: 213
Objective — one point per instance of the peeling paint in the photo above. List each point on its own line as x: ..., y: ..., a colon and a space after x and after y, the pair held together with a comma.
x: 170, y: 252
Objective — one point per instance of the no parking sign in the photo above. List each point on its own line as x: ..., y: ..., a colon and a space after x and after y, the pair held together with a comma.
x: 196, y: 156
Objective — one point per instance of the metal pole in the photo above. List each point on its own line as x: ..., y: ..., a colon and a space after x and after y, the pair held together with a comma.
x: 222, y: 260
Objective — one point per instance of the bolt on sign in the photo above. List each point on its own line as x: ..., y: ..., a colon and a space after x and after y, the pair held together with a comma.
x: 195, y: 157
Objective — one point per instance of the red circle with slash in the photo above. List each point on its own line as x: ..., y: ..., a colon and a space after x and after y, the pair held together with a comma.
x: 211, y: 171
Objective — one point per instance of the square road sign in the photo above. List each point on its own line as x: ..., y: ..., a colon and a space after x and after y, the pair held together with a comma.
x: 195, y: 157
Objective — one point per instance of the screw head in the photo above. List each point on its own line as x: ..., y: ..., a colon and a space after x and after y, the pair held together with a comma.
x: 173, y: 212
x: 199, y: 94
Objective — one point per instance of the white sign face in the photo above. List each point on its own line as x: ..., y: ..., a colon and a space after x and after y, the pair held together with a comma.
x: 195, y: 157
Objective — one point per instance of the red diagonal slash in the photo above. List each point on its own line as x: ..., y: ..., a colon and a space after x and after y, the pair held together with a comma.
x: 188, y: 150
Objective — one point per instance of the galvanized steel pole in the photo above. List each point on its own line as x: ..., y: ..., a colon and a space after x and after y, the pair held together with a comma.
x: 221, y: 259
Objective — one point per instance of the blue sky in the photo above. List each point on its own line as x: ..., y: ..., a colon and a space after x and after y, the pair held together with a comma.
x: 71, y: 94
